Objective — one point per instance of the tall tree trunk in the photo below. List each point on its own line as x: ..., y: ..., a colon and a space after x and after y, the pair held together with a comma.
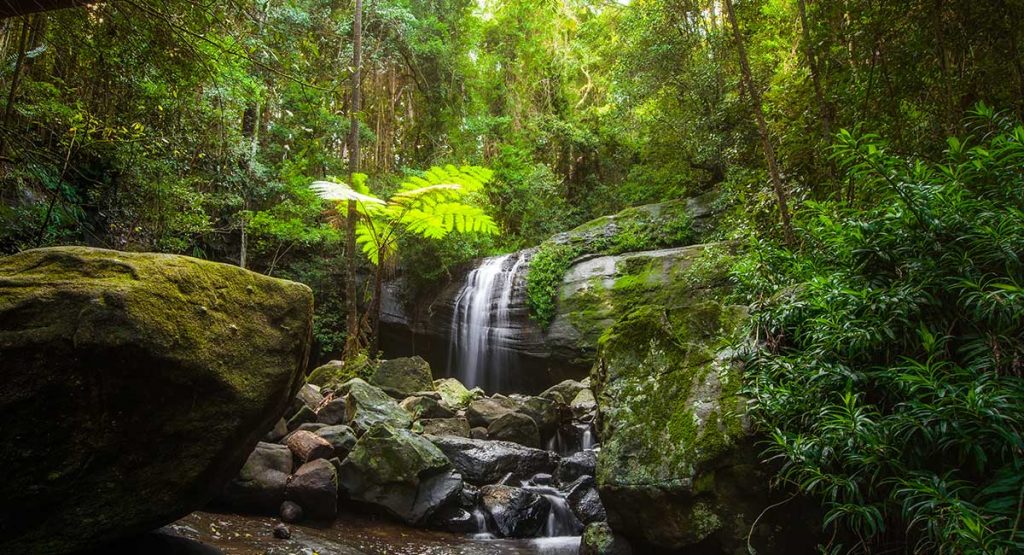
x: 812, y: 65
x: 19, y: 64
x: 352, y: 341
x: 762, y: 125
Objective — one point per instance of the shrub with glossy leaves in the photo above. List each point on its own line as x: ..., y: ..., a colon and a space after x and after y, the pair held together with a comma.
x: 890, y: 347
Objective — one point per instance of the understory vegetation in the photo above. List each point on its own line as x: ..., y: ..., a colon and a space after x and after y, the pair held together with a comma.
x: 890, y: 346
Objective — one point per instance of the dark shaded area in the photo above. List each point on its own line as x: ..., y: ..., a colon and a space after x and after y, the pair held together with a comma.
x: 10, y: 8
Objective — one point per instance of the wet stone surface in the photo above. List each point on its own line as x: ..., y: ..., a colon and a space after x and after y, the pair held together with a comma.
x: 232, y: 534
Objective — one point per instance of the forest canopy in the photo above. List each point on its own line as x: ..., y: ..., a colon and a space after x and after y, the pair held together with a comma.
x: 865, y: 156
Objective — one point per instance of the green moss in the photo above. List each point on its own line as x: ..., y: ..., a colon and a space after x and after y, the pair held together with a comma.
x: 632, y: 230
x: 333, y: 374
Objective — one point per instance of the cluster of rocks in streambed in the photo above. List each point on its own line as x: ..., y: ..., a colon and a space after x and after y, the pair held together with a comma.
x: 429, y: 453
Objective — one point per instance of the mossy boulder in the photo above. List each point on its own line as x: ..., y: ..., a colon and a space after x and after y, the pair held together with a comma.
x: 678, y: 469
x: 366, y: 406
x: 401, y: 472
x: 135, y: 387
x: 453, y: 393
x: 401, y: 377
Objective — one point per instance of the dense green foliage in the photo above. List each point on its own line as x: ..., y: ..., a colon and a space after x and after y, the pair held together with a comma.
x: 888, y: 364
x: 890, y: 346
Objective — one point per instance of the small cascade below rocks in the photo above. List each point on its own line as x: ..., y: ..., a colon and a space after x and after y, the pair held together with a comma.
x: 482, y: 330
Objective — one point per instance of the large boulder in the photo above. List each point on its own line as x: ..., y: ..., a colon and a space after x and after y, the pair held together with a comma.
x: 367, y: 406
x: 314, y: 487
x: 401, y: 472
x: 259, y: 486
x: 457, y: 426
x: 599, y: 539
x: 401, y: 377
x: 482, y: 412
x: 424, y: 407
x: 585, y: 501
x: 341, y: 438
x: 453, y: 393
x: 544, y: 412
x: 135, y: 386
x: 516, y: 512
x: 563, y: 392
x: 486, y: 462
x: 678, y: 467
x: 515, y: 427
x: 580, y: 463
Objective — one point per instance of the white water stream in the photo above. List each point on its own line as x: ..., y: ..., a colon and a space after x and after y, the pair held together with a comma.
x: 481, y: 330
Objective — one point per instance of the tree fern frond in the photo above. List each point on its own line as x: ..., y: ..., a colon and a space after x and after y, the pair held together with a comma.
x: 329, y: 190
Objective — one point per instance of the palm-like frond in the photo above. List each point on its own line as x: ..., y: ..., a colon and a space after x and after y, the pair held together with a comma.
x: 443, y: 218
x: 431, y: 205
x: 329, y: 190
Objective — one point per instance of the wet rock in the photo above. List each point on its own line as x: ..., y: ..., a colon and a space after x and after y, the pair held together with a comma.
x: 323, y: 375
x: 314, y: 486
x: 290, y: 511
x: 541, y: 479
x: 581, y: 463
x: 402, y: 377
x: 599, y: 539
x: 458, y: 427
x: 280, y: 430
x: 544, y: 412
x: 281, y: 531
x: 515, y: 427
x: 482, y: 412
x: 332, y: 412
x: 678, y: 467
x: 478, y: 433
x: 425, y: 407
x: 304, y: 415
x: 259, y: 486
x: 401, y: 472
x: 563, y: 392
x: 487, y: 462
x: 516, y: 512
x: 583, y: 403
x: 307, y: 446
x: 367, y: 406
x: 310, y: 427
x: 453, y: 393
x: 341, y: 438
x: 584, y: 500
x: 308, y: 396
x: 454, y: 519
x: 135, y: 386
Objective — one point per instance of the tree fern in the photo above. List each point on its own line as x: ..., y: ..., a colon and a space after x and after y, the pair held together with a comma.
x: 431, y: 205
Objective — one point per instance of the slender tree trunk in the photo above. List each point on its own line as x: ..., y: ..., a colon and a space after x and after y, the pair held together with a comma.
x: 19, y: 64
x: 352, y: 341
x: 812, y: 65
x: 242, y: 254
x: 762, y: 125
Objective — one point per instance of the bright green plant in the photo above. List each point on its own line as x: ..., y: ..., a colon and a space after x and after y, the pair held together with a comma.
x: 891, y: 348
x: 431, y: 206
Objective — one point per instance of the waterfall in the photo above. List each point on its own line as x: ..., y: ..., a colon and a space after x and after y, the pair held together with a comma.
x: 481, y: 327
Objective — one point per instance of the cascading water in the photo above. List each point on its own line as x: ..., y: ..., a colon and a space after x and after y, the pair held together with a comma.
x: 481, y: 331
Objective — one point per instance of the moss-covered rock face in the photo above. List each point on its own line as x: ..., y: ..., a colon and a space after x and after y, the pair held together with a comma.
x: 677, y: 468
x: 402, y: 377
x: 134, y: 387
